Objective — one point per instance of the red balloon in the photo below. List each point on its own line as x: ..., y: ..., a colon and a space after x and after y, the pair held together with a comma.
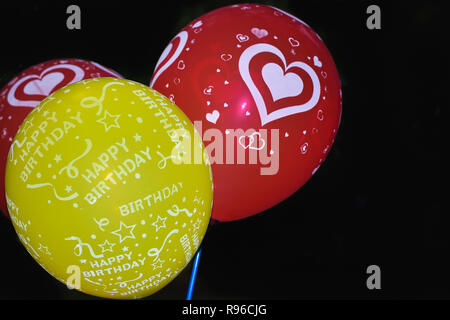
x: 28, y: 89
x: 259, y: 69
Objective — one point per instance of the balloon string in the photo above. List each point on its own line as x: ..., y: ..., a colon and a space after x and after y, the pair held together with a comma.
x: 193, y: 275
x: 195, y: 267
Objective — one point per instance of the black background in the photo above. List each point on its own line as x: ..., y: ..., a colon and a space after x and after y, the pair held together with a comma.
x: 378, y: 198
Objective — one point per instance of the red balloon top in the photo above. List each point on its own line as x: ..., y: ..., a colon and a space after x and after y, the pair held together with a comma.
x: 263, y: 71
x: 28, y: 89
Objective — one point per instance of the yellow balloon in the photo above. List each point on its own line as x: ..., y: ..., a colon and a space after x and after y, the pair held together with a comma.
x: 102, y: 189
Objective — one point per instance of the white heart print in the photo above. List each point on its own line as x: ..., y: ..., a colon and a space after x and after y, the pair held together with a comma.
x: 181, y: 65
x: 277, y: 91
x: 260, y: 33
x: 294, y: 42
x: 45, y: 85
x: 317, y: 62
x: 213, y: 116
x: 226, y: 56
x: 241, y: 37
x: 197, y: 24
x: 261, y: 142
x: 281, y: 85
x: 208, y: 90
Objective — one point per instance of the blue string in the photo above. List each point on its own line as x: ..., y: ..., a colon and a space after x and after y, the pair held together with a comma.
x: 193, y: 275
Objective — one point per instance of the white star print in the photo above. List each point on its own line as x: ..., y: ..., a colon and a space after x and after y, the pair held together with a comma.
x: 159, y: 223
x: 109, y: 121
x: 120, y: 232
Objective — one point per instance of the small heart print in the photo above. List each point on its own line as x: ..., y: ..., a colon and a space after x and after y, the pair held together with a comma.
x: 286, y: 134
x: 226, y: 56
x: 171, y: 97
x: 247, y: 113
x: 294, y: 42
x: 304, y: 131
x: 181, y: 65
x: 242, y: 37
x: 227, y: 131
x: 213, y: 116
x: 218, y: 70
x: 238, y: 45
x: 260, y: 33
x: 226, y: 82
x: 320, y: 114
x: 304, y: 148
x: 317, y: 62
x: 208, y: 90
x: 197, y: 24
x: 225, y: 105
x: 197, y: 30
x: 260, y: 143
x: 167, y: 85
x: 208, y: 103
x: 177, y: 81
